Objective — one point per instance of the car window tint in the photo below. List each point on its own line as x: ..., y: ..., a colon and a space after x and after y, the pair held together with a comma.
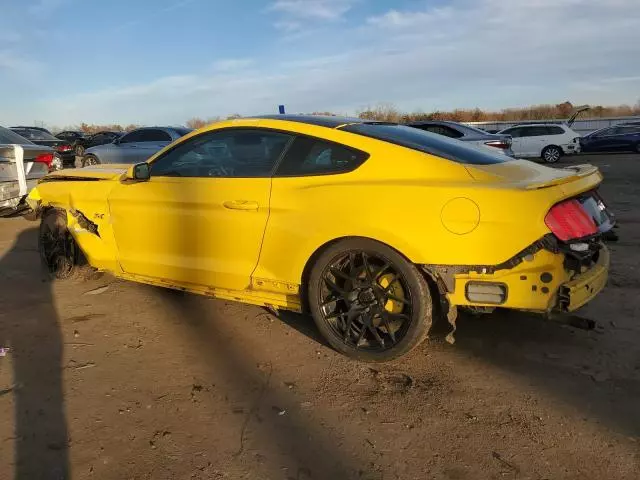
x: 629, y: 130
x: 515, y: 132
x: 426, y: 142
x: 312, y: 156
x: 534, y: 131
x: 554, y: 130
x: 451, y: 132
x: 134, y: 136
x: 224, y: 153
x: 10, y: 136
x: 154, y: 135
x: 443, y: 130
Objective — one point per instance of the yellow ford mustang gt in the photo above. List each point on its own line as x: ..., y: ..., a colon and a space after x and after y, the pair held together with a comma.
x: 368, y: 225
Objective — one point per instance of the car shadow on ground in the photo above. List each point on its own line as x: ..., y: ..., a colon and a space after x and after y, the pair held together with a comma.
x: 570, y: 365
x: 29, y: 327
x: 305, y: 446
x: 576, y: 367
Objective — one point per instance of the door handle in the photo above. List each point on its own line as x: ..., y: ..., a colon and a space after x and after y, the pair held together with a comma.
x: 240, y: 205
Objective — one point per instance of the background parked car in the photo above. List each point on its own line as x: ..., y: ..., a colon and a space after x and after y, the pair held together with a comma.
x: 619, y: 138
x: 42, y: 129
x: 63, y: 149
x: 81, y: 140
x: 543, y: 140
x: 74, y: 137
x: 35, y: 164
x: 474, y: 136
x: 133, y: 147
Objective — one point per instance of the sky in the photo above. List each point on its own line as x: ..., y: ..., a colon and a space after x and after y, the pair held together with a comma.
x: 162, y: 62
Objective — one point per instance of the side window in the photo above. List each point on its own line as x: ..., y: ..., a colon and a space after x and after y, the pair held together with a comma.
x: 534, y: 131
x: 135, y: 136
x: 553, y: 130
x: 155, y: 135
x: 451, y: 132
x: 515, y: 132
x: 239, y: 153
x: 630, y: 130
x: 312, y: 156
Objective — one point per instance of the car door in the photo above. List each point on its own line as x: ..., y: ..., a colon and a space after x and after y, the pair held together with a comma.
x: 629, y: 138
x: 602, y: 141
x: 201, y: 216
x: 152, y: 140
x: 534, y: 139
x: 137, y: 146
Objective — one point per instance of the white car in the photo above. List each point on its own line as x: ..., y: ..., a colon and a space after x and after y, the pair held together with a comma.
x: 22, y: 164
x: 548, y: 141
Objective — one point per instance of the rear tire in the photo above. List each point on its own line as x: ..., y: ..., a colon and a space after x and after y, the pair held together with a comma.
x: 551, y: 154
x: 368, y: 301
x: 88, y: 160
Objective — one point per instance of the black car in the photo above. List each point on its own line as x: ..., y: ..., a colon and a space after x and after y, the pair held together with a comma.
x: 64, y: 149
x: 74, y: 137
x: 624, y: 137
x: 99, y: 138
x: 80, y: 141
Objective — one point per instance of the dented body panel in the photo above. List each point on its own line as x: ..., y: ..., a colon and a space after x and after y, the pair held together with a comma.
x: 461, y: 222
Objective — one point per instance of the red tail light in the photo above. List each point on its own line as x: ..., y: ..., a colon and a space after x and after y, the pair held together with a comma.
x: 498, y: 144
x: 568, y: 221
x: 45, y: 158
x: 64, y: 148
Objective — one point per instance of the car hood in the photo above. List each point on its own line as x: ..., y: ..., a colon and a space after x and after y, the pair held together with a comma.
x: 111, y: 171
x: 530, y: 175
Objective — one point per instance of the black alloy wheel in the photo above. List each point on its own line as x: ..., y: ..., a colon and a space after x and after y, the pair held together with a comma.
x: 368, y: 301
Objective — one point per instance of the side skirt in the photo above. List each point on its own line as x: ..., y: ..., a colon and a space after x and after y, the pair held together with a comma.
x: 252, y: 297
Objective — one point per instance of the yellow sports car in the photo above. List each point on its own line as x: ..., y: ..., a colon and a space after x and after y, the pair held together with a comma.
x: 367, y: 225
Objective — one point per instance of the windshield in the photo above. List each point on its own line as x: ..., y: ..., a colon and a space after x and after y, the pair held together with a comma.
x: 427, y: 142
x: 33, y: 134
x: 7, y: 136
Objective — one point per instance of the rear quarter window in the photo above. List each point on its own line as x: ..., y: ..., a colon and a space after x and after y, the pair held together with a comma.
x: 427, y: 142
x: 555, y: 130
x: 308, y: 156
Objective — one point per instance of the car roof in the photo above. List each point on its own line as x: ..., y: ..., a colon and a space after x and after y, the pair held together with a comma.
x: 434, y: 122
x: 328, y: 121
x: 541, y: 124
x: 42, y: 129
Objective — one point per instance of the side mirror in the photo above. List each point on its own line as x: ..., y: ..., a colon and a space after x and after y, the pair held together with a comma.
x: 140, y: 172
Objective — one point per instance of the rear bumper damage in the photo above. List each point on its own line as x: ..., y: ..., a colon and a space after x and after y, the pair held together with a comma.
x: 547, y: 276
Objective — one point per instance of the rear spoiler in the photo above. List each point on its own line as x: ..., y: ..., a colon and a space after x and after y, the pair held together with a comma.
x: 580, y: 171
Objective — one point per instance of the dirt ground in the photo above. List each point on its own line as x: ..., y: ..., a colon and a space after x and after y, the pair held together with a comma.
x: 134, y: 382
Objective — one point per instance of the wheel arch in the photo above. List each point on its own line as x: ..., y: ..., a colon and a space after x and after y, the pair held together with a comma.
x: 430, y: 276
